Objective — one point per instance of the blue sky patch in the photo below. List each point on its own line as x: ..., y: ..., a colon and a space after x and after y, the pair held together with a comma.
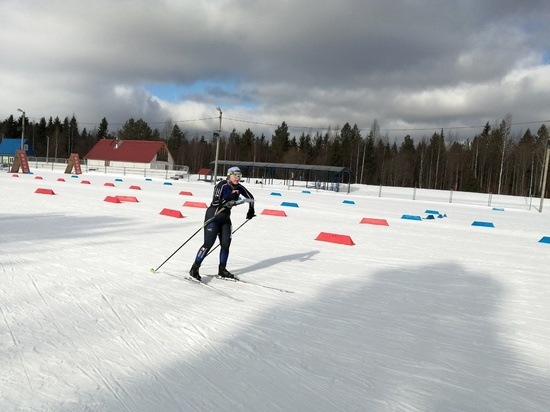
x: 224, y: 94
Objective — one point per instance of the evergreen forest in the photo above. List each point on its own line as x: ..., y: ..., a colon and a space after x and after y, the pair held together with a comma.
x: 494, y: 160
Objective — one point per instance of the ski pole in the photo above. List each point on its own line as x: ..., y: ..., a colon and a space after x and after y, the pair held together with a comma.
x: 182, y: 245
x: 214, y: 248
x: 228, y: 205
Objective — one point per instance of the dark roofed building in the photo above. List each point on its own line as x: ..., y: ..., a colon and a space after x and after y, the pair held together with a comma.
x: 320, y: 177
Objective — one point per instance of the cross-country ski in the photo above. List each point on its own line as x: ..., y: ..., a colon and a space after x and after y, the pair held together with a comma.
x: 239, y: 280
x: 202, y: 283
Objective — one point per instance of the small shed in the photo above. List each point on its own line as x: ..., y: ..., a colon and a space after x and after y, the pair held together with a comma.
x: 150, y: 154
x: 207, y: 173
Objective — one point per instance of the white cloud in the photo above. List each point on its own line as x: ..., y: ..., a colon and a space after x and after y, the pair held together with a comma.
x: 431, y: 64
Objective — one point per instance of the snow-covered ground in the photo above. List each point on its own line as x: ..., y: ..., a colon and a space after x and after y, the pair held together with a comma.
x: 420, y: 315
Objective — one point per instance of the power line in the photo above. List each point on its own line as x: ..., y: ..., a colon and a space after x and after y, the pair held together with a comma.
x: 404, y: 129
x: 459, y: 127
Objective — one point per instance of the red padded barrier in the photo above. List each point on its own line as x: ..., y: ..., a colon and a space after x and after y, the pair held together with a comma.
x: 112, y: 199
x: 44, y: 191
x: 371, y: 221
x: 127, y: 198
x: 273, y: 212
x: 334, y: 238
x: 196, y: 204
x: 171, y: 213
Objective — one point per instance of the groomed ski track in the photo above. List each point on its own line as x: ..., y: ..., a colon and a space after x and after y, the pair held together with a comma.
x: 417, y: 316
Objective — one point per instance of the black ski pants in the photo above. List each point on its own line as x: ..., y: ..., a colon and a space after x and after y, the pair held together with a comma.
x: 220, y: 228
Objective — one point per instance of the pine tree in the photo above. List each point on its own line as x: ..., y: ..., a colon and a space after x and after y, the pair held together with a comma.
x: 136, y: 130
x: 102, y: 130
x: 280, y: 142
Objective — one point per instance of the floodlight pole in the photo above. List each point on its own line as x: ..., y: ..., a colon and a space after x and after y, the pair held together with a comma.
x: 47, y: 149
x: 217, y: 147
x: 22, y: 129
x: 543, y: 188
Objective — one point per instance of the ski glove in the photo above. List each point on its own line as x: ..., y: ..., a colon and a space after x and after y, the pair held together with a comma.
x: 250, y: 214
x: 233, y: 196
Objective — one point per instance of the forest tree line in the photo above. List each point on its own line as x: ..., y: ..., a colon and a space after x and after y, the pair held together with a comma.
x: 492, y: 161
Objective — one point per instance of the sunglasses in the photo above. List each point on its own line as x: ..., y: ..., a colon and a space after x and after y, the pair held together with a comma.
x: 237, y: 174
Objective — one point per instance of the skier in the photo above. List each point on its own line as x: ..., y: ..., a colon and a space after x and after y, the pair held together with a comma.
x: 225, y: 193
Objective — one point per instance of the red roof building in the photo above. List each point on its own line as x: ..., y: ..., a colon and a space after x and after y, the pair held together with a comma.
x: 130, y: 153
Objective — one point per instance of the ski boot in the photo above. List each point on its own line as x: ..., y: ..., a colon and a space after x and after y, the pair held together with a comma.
x: 224, y: 273
x: 194, y: 272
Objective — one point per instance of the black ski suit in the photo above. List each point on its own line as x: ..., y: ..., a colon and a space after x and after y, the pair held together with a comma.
x: 221, y: 226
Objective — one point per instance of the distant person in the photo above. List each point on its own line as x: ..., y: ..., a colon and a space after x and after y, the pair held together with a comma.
x: 226, y: 193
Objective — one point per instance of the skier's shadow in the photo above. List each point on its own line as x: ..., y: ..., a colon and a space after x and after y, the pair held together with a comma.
x: 301, y: 257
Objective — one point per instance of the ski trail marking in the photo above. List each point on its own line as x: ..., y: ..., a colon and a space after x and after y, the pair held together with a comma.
x: 124, y: 325
x: 17, y: 347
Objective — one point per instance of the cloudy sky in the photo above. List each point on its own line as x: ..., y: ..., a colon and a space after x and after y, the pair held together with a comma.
x: 416, y: 66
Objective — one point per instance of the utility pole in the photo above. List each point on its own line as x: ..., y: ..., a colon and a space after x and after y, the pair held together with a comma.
x: 217, y: 147
x: 47, y: 149
x: 22, y: 129
x: 543, y: 188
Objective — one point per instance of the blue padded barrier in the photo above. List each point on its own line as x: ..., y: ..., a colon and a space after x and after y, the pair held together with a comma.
x: 411, y: 217
x: 483, y: 224
x: 290, y: 204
